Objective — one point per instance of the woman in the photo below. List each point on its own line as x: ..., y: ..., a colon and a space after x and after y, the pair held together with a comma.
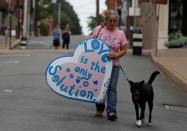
x: 56, y: 36
x: 116, y: 40
x: 66, y: 37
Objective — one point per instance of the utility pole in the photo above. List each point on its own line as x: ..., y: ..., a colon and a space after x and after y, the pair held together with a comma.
x: 10, y: 24
x: 25, y: 18
x: 18, y: 11
x: 34, y: 16
x: 111, y: 4
x: 24, y: 38
x: 59, y: 13
x: 97, y: 12
x: 135, y: 6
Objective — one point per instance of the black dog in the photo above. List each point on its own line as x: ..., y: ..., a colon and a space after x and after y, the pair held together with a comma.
x: 141, y: 93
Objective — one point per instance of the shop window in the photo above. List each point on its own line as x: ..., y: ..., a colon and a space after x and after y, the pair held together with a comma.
x: 175, y: 16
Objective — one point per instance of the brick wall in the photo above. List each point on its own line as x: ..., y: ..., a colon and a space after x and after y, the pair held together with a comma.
x: 50, y: 23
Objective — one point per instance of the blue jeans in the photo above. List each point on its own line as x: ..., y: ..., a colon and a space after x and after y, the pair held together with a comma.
x: 111, y: 94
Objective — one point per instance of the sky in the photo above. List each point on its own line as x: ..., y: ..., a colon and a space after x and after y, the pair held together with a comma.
x: 84, y: 9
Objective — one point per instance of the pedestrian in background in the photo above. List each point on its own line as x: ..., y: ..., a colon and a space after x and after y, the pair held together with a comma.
x: 56, y: 36
x: 116, y: 40
x: 66, y: 36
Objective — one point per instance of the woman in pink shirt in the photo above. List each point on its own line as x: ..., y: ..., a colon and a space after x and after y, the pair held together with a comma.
x: 116, y: 40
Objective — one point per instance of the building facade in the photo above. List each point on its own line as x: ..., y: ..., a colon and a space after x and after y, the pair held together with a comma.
x: 160, y: 18
x: 157, y: 19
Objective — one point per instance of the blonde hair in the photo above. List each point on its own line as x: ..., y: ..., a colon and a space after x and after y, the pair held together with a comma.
x: 109, y: 13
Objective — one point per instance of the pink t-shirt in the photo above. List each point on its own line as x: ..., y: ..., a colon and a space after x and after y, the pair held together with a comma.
x: 114, y: 39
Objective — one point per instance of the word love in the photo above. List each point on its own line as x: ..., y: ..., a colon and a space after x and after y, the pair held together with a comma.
x: 85, y: 76
x: 97, y: 46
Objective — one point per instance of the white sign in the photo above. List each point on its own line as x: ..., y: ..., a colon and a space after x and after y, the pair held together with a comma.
x: 134, y: 11
x: 13, y: 32
x: 54, y: 1
x: 85, y: 76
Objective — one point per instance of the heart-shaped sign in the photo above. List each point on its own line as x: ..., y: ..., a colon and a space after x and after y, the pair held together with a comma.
x: 85, y: 76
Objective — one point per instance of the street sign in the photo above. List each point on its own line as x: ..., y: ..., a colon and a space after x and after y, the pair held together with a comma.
x: 85, y: 76
x: 134, y: 11
x: 54, y: 1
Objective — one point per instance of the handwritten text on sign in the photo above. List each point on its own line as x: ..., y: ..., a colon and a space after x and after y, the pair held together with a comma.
x: 84, y: 76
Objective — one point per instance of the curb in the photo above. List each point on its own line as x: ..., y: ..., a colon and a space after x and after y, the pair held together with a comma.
x: 37, y: 51
x: 170, y: 73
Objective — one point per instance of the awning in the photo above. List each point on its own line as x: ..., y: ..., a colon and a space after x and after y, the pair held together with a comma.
x: 3, y: 5
x: 2, y: 8
x: 159, y: 1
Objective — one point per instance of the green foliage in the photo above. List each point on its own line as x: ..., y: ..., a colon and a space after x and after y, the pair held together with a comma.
x: 177, y: 43
x: 44, y: 29
x: 92, y: 22
x: 176, y: 40
x: 68, y: 16
x: 174, y: 36
x: 43, y: 13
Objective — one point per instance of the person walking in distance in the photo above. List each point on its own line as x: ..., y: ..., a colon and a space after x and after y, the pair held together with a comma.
x: 66, y: 37
x: 56, y: 36
x: 116, y: 40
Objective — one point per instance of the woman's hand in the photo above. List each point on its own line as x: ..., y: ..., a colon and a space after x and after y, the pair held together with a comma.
x: 121, y: 53
x: 87, y: 38
x: 113, y: 54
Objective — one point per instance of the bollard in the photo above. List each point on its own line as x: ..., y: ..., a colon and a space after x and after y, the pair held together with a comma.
x: 23, y: 42
x: 137, y: 42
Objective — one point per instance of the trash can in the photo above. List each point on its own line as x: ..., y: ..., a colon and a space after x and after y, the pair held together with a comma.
x: 137, y: 42
x: 23, y: 42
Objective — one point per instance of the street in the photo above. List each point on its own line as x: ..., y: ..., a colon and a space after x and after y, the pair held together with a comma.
x: 28, y: 104
x: 47, y: 42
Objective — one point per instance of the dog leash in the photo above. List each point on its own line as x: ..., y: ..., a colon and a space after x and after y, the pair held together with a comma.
x: 124, y: 74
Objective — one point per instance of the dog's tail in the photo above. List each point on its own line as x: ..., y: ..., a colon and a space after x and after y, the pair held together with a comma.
x: 153, y: 76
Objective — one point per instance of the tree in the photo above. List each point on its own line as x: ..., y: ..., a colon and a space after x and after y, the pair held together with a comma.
x: 92, y: 22
x: 44, y: 29
x: 43, y: 12
x: 68, y: 16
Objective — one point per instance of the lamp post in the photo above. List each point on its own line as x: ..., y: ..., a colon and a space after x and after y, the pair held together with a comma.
x: 18, y: 11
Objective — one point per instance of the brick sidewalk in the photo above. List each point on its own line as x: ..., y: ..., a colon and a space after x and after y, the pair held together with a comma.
x: 174, y: 63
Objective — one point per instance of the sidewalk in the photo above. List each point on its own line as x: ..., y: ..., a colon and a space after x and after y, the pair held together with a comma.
x: 174, y: 63
x: 4, y: 42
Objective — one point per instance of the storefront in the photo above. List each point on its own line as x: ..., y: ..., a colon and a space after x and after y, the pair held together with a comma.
x: 3, y: 9
x: 177, y: 19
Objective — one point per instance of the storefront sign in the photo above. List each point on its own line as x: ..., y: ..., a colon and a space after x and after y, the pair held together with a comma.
x: 85, y: 76
x: 159, y: 1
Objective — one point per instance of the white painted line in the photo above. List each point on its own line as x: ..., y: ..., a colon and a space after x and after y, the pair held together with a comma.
x: 20, y: 55
x: 9, y: 62
x: 137, y: 44
x: 9, y: 91
x: 138, y: 36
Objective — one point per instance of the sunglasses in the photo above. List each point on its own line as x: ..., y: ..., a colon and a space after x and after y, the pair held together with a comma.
x: 112, y: 21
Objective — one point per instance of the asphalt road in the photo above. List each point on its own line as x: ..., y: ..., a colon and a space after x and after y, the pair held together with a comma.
x: 28, y: 104
x: 47, y: 42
